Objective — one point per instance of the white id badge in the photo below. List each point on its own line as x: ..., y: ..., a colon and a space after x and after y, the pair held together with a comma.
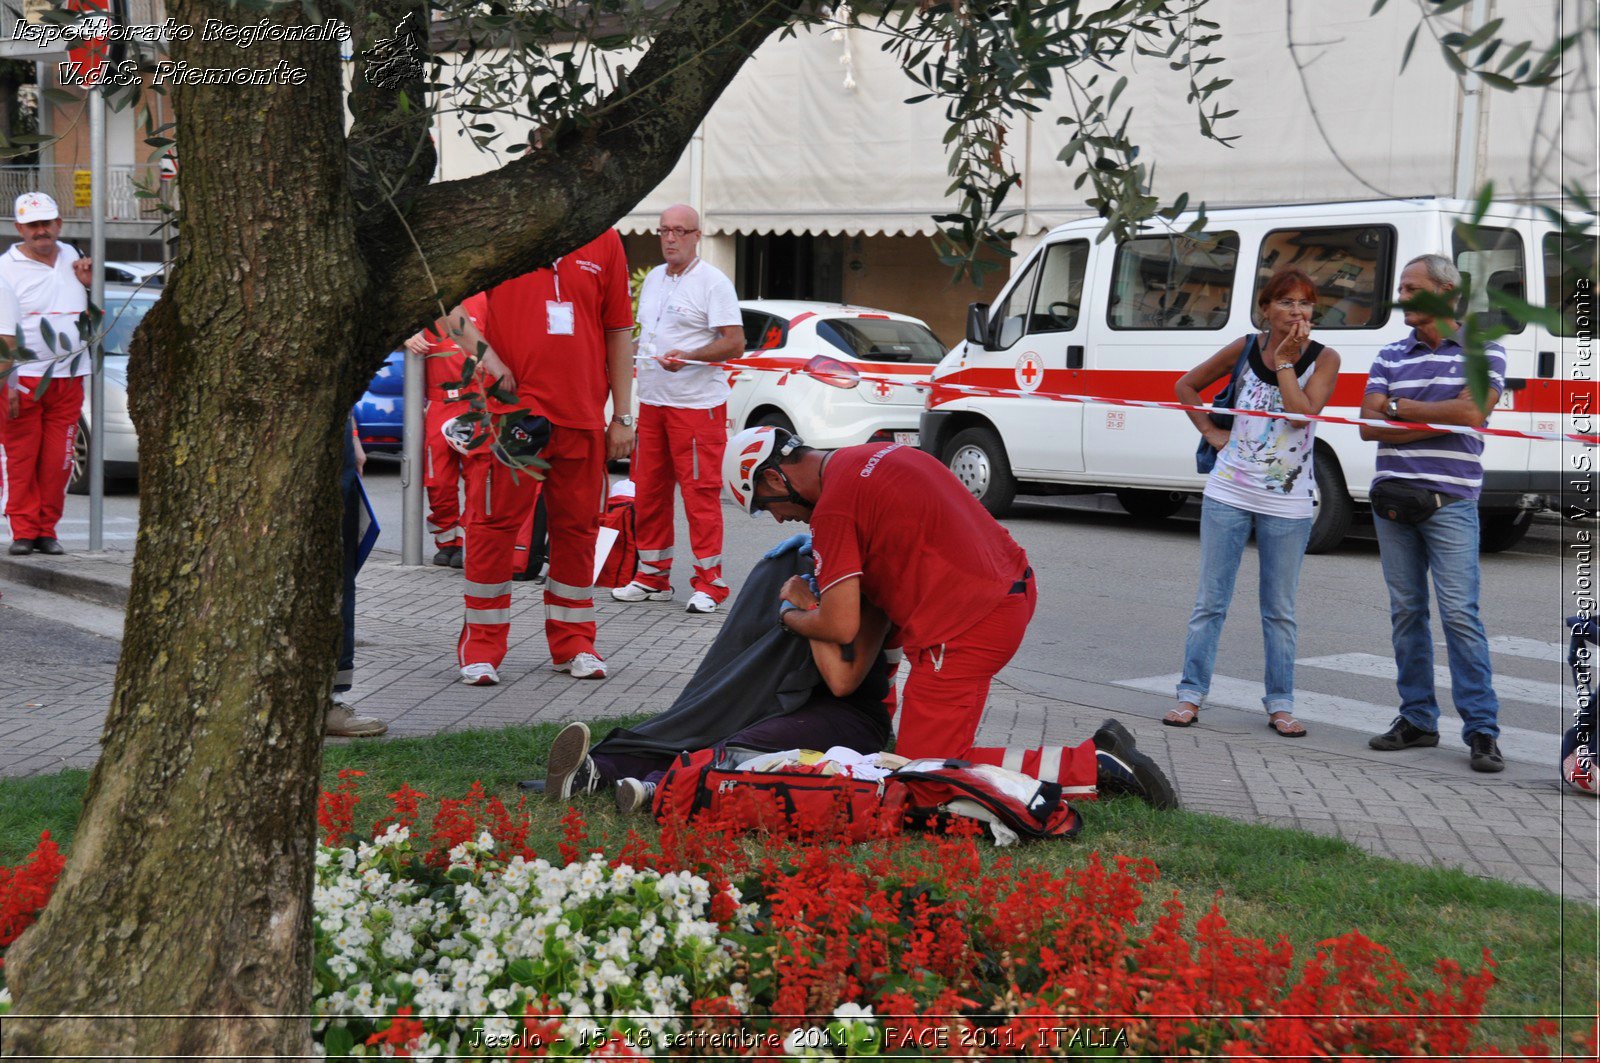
x: 558, y: 318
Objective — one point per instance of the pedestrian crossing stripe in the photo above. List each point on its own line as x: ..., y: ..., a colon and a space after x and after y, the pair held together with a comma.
x: 1506, y: 688
x: 1516, y: 743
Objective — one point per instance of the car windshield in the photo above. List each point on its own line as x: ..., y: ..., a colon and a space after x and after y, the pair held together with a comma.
x: 123, y: 314
x: 876, y: 339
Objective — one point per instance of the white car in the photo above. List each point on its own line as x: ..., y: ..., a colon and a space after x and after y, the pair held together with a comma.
x: 782, y: 335
x: 125, y: 308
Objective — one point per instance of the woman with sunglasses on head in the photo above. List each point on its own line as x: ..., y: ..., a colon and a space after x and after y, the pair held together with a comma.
x: 1263, y: 480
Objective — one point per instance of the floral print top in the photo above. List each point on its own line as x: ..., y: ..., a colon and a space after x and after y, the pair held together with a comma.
x: 1266, y: 466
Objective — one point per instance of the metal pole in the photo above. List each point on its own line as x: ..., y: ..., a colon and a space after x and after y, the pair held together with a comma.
x: 97, y: 295
x: 411, y: 465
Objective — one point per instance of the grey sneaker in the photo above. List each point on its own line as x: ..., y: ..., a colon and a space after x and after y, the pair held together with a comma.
x: 341, y: 721
x: 634, y: 795
x: 569, y: 769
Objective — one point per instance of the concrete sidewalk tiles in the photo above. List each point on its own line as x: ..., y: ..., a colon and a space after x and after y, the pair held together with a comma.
x: 1520, y: 826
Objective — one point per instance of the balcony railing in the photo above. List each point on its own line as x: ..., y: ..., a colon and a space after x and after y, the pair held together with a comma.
x: 62, y: 182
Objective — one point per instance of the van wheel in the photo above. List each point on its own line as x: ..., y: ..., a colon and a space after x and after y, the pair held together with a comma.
x: 978, y: 459
x: 1335, y: 509
x: 1151, y: 505
x: 79, y: 484
x: 1502, y: 530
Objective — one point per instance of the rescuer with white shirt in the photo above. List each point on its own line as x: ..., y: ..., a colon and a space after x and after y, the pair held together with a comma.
x: 689, y: 318
x: 41, y: 423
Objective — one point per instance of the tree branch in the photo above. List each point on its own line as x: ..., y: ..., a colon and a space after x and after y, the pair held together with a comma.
x: 482, y: 230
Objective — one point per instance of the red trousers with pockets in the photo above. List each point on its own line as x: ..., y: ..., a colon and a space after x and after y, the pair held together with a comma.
x: 38, y: 443
x: 443, y: 474
x: 574, y: 490
x: 947, y: 690
x: 682, y: 448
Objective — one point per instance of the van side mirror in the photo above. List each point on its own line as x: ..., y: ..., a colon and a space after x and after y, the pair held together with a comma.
x: 978, y: 324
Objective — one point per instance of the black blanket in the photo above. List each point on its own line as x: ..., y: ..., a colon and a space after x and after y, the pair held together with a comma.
x: 754, y: 670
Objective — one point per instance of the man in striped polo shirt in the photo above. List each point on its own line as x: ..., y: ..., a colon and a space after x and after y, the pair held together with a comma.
x: 1422, y: 378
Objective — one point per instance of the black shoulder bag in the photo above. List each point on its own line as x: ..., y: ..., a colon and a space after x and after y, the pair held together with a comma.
x: 1205, y: 455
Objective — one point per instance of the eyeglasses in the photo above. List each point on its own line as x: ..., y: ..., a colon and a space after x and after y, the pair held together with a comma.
x: 675, y: 230
x: 1295, y: 304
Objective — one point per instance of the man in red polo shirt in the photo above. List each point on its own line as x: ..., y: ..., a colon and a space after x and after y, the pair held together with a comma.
x: 891, y: 524
x: 561, y: 337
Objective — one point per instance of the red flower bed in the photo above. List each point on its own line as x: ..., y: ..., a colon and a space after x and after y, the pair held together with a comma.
x: 953, y: 957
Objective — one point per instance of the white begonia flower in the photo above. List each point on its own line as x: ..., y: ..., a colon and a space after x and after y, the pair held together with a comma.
x: 849, y: 1012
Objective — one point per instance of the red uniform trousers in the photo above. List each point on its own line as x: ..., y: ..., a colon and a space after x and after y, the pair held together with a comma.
x: 682, y: 447
x: 947, y: 690
x: 444, y: 470
x: 38, y: 444
x: 574, y: 491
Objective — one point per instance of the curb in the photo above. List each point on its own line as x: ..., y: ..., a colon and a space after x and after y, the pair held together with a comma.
x: 50, y: 576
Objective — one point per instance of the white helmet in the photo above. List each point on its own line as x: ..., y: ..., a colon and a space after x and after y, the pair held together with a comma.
x: 460, y: 433
x: 747, y: 454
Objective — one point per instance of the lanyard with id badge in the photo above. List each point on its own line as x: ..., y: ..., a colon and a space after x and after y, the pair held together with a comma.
x: 558, y: 315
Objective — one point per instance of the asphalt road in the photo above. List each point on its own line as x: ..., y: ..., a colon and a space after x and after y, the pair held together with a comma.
x: 1115, y: 596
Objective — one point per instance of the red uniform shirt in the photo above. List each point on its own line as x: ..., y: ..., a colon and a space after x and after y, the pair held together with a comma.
x: 445, y: 361
x: 563, y: 376
x: 928, y: 554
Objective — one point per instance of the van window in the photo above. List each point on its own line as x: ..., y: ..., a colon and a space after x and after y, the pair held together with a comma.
x: 1566, y: 262
x: 1010, y: 318
x: 1060, y: 291
x: 1492, y: 259
x: 1174, y: 282
x: 763, y: 331
x: 1351, y: 265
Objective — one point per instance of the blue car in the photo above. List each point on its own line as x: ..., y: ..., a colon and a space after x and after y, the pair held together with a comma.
x: 380, y: 414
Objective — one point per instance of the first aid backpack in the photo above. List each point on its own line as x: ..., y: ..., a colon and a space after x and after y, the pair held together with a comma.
x: 622, y: 563
x: 792, y: 801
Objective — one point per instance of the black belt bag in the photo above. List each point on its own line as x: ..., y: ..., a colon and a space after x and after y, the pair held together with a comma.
x: 1406, y: 503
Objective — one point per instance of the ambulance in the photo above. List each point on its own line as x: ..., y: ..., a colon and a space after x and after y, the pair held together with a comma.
x: 1124, y: 319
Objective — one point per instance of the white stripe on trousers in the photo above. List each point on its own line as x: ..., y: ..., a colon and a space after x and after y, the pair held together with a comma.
x: 488, y: 616
x: 485, y: 590
x: 568, y: 614
x: 567, y: 590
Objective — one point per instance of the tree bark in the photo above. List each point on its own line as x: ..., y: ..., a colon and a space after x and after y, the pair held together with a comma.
x: 187, y: 894
x: 188, y: 888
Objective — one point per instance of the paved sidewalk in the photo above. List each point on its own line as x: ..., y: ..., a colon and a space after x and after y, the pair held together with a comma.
x: 1421, y: 806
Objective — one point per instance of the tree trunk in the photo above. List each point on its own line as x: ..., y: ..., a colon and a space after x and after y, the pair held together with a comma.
x: 189, y: 881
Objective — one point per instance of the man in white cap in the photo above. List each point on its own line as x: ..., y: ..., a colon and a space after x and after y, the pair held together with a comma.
x: 41, y: 424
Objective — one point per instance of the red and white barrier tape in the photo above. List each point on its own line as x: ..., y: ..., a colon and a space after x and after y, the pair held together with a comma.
x: 839, y: 374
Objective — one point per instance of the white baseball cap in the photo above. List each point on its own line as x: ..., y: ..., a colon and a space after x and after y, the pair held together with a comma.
x: 36, y: 206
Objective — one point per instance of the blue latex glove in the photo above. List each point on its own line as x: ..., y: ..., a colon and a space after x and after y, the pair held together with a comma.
x: 800, y: 543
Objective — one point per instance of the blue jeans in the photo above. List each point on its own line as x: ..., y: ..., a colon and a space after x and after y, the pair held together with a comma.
x: 1281, y: 542
x: 1447, y: 544
x: 350, y: 526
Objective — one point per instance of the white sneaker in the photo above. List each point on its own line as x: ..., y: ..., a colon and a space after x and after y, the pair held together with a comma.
x: 583, y: 666
x: 635, y: 796
x: 341, y: 721
x: 480, y: 675
x: 638, y: 592
x: 701, y: 602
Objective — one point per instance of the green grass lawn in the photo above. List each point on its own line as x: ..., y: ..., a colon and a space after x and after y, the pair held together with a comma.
x: 1273, y: 882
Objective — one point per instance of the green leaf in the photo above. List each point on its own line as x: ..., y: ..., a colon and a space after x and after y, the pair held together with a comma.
x: 338, y: 1041
x: 1411, y: 42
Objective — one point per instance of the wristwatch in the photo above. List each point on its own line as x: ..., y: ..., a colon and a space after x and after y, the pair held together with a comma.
x: 624, y: 419
x: 1392, y: 409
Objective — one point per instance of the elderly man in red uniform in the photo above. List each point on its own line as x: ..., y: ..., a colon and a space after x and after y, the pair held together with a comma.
x: 43, y: 396
x: 561, y: 337
x: 891, y: 524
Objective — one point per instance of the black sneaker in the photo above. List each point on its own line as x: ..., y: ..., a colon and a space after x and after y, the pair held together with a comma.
x: 47, y: 544
x: 1122, y: 769
x: 569, y: 769
x: 19, y: 547
x: 442, y: 558
x: 1403, y: 734
x: 1485, y: 753
x: 635, y: 795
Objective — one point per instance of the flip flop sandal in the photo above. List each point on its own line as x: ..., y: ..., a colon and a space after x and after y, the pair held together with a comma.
x: 1280, y: 726
x: 1185, y: 717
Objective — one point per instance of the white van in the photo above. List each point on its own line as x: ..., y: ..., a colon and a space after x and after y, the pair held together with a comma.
x: 1126, y: 319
